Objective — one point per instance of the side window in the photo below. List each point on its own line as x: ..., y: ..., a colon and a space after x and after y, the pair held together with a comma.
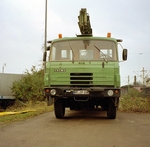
x: 63, y: 53
x: 66, y: 54
x: 53, y: 54
x: 107, y: 52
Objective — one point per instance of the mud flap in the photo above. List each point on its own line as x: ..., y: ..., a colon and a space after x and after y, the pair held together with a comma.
x: 112, y: 110
x: 50, y: 101
x: 116, y: 102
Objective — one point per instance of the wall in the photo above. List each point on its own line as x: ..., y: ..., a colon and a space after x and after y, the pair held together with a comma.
x: 6, y: 81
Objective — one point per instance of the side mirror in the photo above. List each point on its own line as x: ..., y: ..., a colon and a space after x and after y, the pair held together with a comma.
x: 48, y: 48
x: 124, y: 54
x: 44, y: 56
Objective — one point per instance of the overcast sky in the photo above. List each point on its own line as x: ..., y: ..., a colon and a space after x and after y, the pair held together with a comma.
x: 22, y: 30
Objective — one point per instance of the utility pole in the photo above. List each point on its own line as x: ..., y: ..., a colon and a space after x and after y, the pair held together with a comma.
x: 3, y: 67
x: 139, y: 60
x: 45, y: 42
x: 143, y: 76
x: 134, y: 83
x: 128, y: 81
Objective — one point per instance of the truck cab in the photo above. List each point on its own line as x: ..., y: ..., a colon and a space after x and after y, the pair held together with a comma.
x: 82, y: 72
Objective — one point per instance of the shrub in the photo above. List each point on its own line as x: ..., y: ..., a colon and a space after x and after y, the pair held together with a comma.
x: 30, y: 86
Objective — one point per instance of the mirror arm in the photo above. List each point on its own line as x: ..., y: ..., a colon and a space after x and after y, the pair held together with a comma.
x: 44, y: 56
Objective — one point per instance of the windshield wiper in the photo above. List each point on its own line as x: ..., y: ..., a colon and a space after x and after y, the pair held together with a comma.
x: 72, y: 53
x: 103, y: 55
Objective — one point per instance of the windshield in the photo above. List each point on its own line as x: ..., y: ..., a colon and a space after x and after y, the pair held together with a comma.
x: 79, y: 50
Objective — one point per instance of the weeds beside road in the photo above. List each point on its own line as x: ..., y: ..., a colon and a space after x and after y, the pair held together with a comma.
x: 131, y: 102
x: 141, y: 105
x: 134, y: 101
x: 31, y: 109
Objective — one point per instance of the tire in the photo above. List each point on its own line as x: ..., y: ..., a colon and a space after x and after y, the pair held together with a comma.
x: 59, y: 108
x: 112, y: 110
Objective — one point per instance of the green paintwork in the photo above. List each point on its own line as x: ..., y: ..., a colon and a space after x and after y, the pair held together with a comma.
x: 101, y: 76
x: 86, y: 37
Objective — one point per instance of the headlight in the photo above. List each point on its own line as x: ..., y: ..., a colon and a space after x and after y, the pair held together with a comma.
x: 110, y: 92
x: 53, y: 92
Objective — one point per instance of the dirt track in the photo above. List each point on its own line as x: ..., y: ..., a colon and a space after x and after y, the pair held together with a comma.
x: 79, y: 129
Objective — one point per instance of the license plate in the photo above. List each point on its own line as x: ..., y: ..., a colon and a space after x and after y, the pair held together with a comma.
x: 80, y: 92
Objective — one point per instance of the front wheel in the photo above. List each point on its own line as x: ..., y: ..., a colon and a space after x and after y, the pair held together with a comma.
x: 59, y: 108
x: 112, y: 110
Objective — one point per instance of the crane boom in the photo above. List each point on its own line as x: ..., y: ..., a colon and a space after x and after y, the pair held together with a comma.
x: 84, y: 22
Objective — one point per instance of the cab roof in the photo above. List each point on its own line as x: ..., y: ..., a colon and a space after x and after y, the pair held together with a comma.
x: 85, y: 38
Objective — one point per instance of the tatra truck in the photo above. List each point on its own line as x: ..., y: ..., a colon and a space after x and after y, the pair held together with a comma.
x: 82, y: 72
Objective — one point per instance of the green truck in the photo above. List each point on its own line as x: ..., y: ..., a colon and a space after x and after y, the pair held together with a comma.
x: 82, y: 72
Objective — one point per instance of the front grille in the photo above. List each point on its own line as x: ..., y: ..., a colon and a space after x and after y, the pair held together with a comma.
x: 81, y: 78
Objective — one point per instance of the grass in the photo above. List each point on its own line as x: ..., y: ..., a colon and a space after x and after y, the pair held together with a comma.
x: 30, y: 110
x: 134, y: 101
x: 136, y: 104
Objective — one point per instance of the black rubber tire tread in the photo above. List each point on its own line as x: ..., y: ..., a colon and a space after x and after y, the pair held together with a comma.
x: 59, y: 108
x: 112, y: 110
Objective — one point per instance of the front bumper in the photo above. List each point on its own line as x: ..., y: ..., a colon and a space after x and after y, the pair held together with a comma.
x: 65, y: 92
